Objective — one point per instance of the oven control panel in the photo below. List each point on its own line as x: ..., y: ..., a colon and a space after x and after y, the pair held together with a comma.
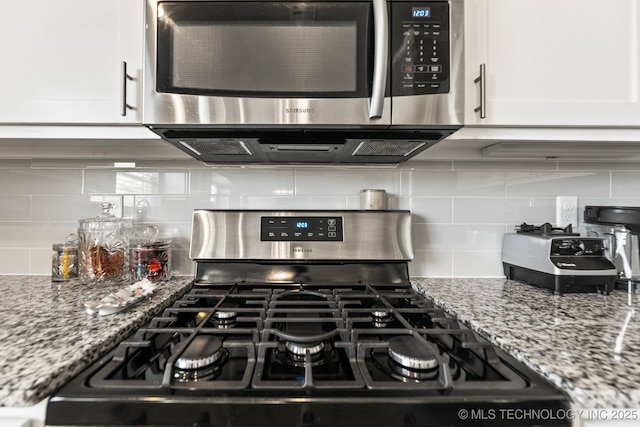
x: 301, y: 228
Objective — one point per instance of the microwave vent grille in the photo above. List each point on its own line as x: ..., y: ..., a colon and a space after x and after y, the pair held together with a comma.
x: 217, y: 146
x: 383, y: 147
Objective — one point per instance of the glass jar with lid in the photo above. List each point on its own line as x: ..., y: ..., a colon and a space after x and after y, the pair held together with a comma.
x: 103, y: 248
x: 150, y: 257
x: 64, y: 264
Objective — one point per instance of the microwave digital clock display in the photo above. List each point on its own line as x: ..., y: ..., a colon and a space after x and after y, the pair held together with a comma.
x: 421, y: 12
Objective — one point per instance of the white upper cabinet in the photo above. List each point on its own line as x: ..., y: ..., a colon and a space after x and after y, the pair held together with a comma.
x: 62, y: 61
x: 553, y: 62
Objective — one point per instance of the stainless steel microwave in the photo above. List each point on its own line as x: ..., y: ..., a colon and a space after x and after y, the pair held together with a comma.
x: 348, y: 81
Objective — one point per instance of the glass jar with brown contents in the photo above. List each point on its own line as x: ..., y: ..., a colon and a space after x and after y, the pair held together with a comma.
x: 103, y: 248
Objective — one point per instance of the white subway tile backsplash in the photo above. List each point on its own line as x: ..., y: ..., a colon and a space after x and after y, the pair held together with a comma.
x: 491, y: 210
x: 550, y: 184
x: 181, y: 264
x: 242, y: 182
x: 457, y: 237
x: 154, y: 208
x: 428, y: 209
x: 15, y: 261
x: 421, y: 236
x: 452, y: 183
x: 353, y: 202
x: 262, y: 202
x: 34, y: 234
x: 35, y: 181
x: 289, y: 202
x: 460, y: 210
x: 135, y: 182
x: 65, y: 207
x: 349, y: 182
x: 625, y: 184
x: 477, y: 264
x: 15, y: 208
x: 41, y: 260
x: 431, y: 264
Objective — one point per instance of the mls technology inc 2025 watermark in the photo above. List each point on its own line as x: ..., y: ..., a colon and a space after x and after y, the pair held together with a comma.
x: 515, y: 414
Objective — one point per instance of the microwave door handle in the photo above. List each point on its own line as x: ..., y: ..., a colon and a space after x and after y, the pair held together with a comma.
x: 381, y: 58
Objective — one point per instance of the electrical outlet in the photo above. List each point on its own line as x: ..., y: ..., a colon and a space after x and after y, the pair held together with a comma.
x: 566, y: 211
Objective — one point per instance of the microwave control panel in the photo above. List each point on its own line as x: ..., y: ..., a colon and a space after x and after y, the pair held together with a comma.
x: 297, y: 229
x: 420, y: 48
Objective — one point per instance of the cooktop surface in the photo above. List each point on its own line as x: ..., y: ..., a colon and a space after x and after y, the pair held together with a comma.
x: 301, y: 355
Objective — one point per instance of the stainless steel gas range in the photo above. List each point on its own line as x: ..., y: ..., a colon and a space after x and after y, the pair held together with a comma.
x: 305, y: 318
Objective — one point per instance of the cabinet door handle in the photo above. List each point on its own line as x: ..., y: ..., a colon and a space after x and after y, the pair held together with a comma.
x: 125, y: 77
x: 482, y: 79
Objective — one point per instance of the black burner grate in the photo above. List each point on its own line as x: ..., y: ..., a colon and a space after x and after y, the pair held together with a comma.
x: 293, y: 337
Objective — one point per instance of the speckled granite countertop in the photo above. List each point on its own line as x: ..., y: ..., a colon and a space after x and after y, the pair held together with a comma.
x: 47, y: 337
x: 569, y: 339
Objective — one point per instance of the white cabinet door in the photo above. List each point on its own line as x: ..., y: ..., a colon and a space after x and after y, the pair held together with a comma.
x: 62, y: 61
x: 553, y: 62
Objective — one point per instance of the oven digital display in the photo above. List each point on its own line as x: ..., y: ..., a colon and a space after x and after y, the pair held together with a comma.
x: 296, y: 229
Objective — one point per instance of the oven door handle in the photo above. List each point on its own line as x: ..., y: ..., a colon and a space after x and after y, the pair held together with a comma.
x: 380, y: 59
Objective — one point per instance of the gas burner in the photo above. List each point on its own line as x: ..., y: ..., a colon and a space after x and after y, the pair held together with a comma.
x: 295, y: 353
x: 412, y: 359
x: 546, y: 229
x: 404, y: 351
x: 224, y: 315
x: 413, y: 374
x: 201, y: 360
x: 381, y: 317
x: 224, y: 319
x: 300, y: 349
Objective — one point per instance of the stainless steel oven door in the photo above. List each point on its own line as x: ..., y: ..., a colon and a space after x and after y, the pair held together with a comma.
x: 230, y: 63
